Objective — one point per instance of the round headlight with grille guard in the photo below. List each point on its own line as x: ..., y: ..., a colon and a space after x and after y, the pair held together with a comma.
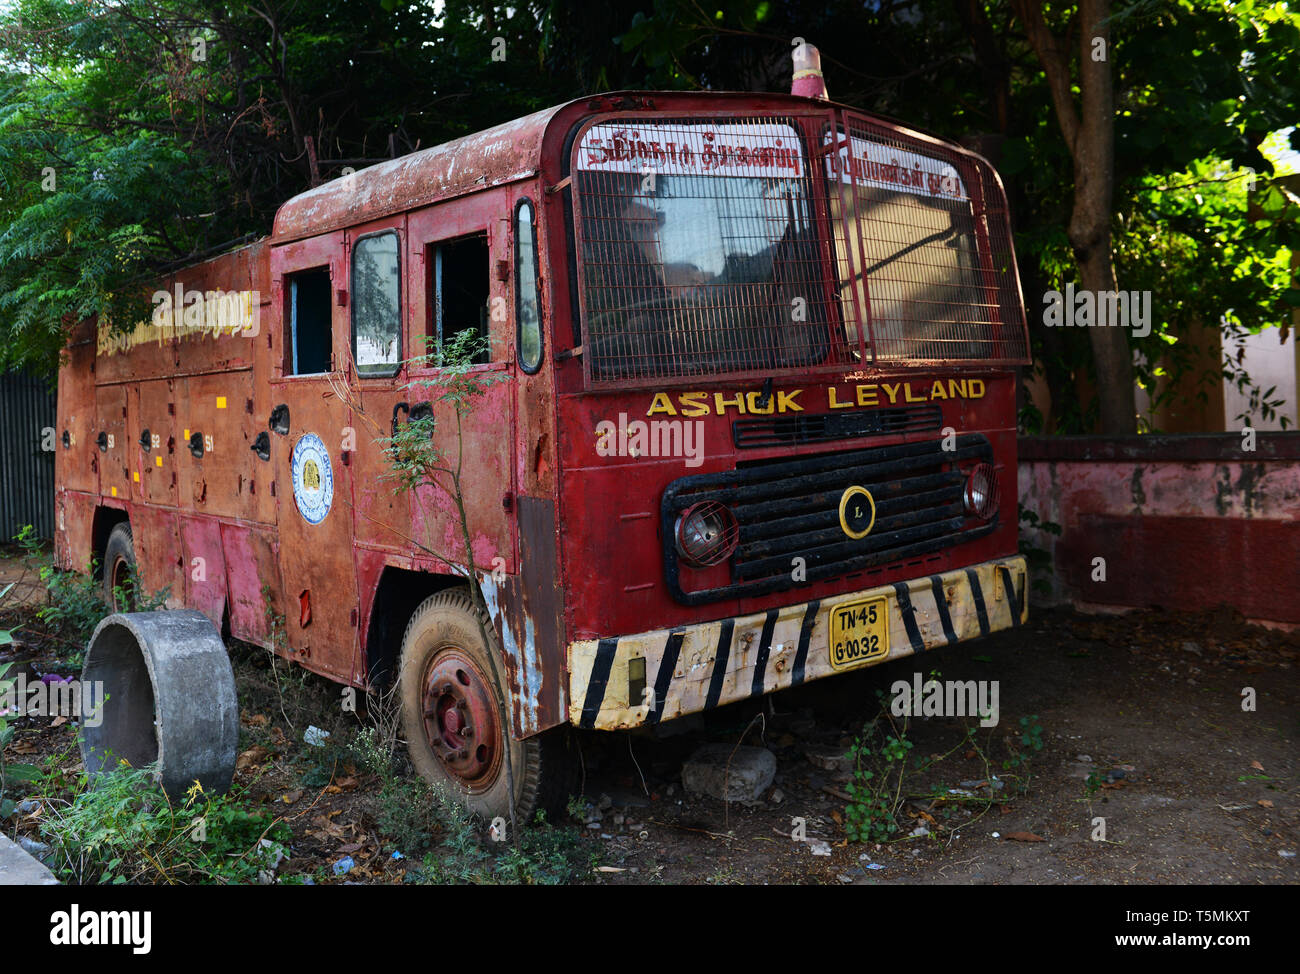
x: 707, y: 533
x: 980, y: 496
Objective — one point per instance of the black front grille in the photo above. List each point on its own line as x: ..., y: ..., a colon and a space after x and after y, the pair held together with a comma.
x: 787, y: 430
x: 789, y: 509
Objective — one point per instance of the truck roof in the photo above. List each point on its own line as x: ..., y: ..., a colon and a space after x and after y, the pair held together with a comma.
x: 501, y: 154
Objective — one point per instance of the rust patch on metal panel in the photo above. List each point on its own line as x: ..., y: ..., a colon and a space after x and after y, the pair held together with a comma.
x: 543, y: 604
x: 526, y: 611
x: 435, y: 520
x: 74, y: 463
x: 159, y: 553
x: 383, y: 514
x: 110, y: 449
x: 74, y: 522
x: 220, y: 478
x: 153, y: 443
x: 205, y: 566
x: 250, y: 560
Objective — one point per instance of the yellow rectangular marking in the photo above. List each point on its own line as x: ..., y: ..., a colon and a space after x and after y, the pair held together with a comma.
x: 859, y: 632
x: 157, y: 461
x: 114, y: 489
x: 187, y: 434
x: 136, y: 476
x: 221, y: 402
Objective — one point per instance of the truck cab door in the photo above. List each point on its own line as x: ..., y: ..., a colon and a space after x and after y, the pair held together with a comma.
x: 460, y: 250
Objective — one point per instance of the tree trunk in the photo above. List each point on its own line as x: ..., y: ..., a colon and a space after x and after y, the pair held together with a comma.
x: 1090, y: 135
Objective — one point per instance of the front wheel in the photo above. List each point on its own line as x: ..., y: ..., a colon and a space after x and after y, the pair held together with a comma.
x: 452, y: 721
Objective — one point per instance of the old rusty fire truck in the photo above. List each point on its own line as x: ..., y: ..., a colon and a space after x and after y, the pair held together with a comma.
x: 754, y: 423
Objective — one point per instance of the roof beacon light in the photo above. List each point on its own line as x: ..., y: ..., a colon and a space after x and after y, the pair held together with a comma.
x: 808, y: 80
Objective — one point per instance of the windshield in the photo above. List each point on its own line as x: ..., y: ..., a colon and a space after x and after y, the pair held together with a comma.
x: 709, y: 248
x: 698, y: 253
x: 903, y: 223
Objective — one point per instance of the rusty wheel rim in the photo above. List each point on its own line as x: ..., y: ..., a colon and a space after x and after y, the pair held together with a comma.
x: 460, y: 718
x: 120, y: 575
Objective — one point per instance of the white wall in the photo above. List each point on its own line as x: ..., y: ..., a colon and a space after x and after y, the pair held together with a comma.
x: 1269, y: 364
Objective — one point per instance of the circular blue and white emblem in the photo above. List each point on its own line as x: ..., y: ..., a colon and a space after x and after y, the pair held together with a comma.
x: 313, y: 478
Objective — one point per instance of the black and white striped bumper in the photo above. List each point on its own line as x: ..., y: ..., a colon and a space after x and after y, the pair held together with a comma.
x: 673, y: 672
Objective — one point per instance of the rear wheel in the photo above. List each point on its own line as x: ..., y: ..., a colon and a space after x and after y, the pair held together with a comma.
x: 119, y: 563
x: 452, y: 721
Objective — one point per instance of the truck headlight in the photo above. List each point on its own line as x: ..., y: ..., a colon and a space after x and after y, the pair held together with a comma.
x: 706, y: 534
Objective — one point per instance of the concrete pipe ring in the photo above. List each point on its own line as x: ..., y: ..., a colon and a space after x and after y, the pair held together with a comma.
x: 168, y: 699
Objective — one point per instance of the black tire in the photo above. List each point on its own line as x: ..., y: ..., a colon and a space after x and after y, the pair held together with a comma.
x: 433, y: 680
x: 119, y: 562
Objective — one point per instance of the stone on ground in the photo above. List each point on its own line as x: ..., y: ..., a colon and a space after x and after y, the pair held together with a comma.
x: 729, y: 773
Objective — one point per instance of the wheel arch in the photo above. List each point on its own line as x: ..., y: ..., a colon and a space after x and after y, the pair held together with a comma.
x: 397, y: 595
x: 106, y: 519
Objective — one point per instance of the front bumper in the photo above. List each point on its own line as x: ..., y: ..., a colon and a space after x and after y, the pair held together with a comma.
x: 627, y: 681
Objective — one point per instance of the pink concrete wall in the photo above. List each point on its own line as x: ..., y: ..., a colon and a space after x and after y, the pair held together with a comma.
x: 1180, y: 522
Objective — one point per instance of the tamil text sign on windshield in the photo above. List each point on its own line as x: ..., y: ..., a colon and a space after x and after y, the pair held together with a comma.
x: 873, y: 164
x: 686, y: 148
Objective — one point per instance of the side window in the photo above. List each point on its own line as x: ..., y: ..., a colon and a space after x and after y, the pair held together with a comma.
x: 459, y: 288
x: 527, y: 308
x: 377, y: 305
x: 310, y: 333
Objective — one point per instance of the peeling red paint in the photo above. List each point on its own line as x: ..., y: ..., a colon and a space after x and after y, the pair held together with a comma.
x: 1181, y: 522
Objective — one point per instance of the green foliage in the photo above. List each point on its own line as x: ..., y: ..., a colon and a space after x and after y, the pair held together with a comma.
x: 886, y: 777
x: 158, y: 156
x: 126, y: 830
x: 1031, y: 742
x: 876, y: 791
x: 544, y: 855
x: 125, y: 148
x: 76, y: 606
x: 425, y: 821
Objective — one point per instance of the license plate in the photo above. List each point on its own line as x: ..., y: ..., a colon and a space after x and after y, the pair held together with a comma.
x: 859, y: 632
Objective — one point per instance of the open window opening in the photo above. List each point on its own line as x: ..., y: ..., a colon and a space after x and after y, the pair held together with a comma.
x: 310, y: 331
x: 459, y: 288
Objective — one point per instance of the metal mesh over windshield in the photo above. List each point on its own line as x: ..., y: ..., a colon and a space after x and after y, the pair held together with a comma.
x: 710, y: 246
x: 698, y: 250
x: 923, y: 250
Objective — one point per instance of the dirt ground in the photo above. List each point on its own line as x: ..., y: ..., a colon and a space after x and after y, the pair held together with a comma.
x: 1142, y: 726
x: 1207, y: 793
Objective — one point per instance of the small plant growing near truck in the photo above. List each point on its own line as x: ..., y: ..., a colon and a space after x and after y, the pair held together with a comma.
x: 1031, y: 742
x: 417, y: 463
x: 885, y: 778
x: 876, y: 791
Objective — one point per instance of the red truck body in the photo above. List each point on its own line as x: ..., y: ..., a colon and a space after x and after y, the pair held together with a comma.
x: 825, y: 305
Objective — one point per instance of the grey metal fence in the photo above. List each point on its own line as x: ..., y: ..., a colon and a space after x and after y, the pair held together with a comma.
x: 27, y: 441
